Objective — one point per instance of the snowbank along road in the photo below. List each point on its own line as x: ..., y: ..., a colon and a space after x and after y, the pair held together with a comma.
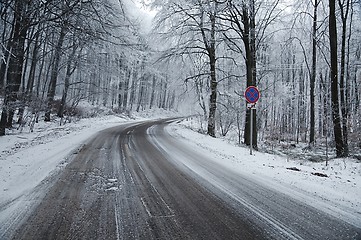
x: 136, y: 181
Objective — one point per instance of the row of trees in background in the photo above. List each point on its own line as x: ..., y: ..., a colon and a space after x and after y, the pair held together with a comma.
x: 126, y: 82
x: 304, y: 57
x: 55, y: 54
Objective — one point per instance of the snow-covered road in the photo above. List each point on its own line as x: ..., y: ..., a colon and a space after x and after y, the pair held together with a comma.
x: 282, y: 211
x: 147, y: 181
x: 338, y: 194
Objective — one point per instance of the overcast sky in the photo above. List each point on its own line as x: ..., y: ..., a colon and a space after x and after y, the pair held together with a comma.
x: 143, y: 14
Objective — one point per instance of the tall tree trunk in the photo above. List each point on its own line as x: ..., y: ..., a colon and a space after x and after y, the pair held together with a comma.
x: 22, y: 95
x: 334, y: 81
x: 34, y: 62
x: 40, y: 76
x: 4, y: 68
x: 249, y: 40
x: 140, y: 94
x: 55, y: 72
x: 134, y: 86
x: 165, y: 93
x: 210, y: 45
x: 4, y: 64
x: 152, y: 97
x: 324, y: 91
x: 121, y: 89
x: 120, y: 94
x: 313, y: 75
x: 356, y: 94
x: 69, y: 71
x: 15, y: 65
x: 65, y: 93
x: 213, y: 97
x: 343, y: 97
x: 128, y: 74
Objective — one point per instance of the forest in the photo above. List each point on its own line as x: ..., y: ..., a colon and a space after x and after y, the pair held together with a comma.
x: 196, y: 57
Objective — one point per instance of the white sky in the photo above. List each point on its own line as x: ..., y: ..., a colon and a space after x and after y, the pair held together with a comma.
x: 142, y: 14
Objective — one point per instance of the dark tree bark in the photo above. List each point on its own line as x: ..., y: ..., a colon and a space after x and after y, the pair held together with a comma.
x: 343, y: 93
x: 54, y: 73
x: 242, y: 17
x: 5, y: 22
x: 3, y: 68
x: 334, y: 81
x: 65, y: 93
x: 34, y: 62
x: 69, y: 71
x: 213, y: 97
x: 15, y: 65
x: 210, y: 46
x: 249, y: 40
x: 324, y: 102
x: 313, y: 74
x: 23, y: 99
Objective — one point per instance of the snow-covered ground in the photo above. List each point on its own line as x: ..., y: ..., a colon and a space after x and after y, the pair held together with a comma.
x: 335, y: 188
x: 27, y: 158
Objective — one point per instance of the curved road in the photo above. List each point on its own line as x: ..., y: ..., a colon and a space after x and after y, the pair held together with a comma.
x: 137, y: 182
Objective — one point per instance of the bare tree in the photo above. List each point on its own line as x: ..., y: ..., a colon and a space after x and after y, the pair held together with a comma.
x: 334, y: 81
x: 345, y: 7
x: 197, y: 31
x: 313, y: 73
x: 15, y: 63
x: 242, y: 16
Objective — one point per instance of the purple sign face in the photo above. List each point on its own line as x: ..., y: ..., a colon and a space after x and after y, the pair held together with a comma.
x: 252, y: 94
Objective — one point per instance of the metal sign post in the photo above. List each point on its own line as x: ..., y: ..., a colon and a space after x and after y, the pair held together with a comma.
x: 252, y: 95
x: 251, y: 134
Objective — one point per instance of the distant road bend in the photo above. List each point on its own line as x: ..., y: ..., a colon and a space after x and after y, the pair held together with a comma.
x: 136, y: 181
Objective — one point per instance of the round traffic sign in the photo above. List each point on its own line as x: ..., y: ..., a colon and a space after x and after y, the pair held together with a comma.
x: 252, y: 94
